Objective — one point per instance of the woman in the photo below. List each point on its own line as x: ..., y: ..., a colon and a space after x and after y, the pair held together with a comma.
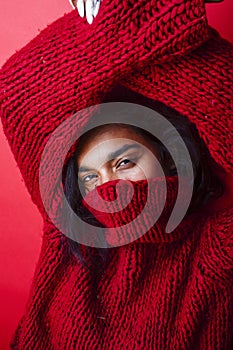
x: 117, y: 151
x: 163, y: 290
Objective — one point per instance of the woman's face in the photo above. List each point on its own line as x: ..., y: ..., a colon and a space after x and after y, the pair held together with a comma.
x: 116, y: 152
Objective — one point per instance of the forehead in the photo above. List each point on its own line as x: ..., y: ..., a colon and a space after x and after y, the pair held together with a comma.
x: 105, y: 139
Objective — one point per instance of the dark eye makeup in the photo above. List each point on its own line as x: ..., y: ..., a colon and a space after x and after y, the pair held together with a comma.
x: 126, y: 163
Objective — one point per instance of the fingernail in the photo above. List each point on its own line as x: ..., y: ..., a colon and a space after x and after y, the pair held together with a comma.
x: 96, y: 8
x: 80, y: 7
x: 89, y: 9
x: 71, y: 3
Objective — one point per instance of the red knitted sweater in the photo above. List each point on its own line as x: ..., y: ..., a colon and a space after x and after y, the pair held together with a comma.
x: 160, y: 291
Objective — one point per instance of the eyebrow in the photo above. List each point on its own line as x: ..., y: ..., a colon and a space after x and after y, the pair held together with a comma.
x: 115, y: 154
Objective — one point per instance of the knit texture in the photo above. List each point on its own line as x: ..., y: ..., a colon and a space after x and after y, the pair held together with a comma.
x: 146, y: 205
x: 158, y: 292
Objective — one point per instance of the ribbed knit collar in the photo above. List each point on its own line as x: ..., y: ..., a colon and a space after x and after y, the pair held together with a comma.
x: 138, y: 211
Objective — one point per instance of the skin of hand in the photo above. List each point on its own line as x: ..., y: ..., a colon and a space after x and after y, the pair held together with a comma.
x: 88, y: 7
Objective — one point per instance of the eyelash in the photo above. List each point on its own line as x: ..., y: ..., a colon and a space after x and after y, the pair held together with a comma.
x: 123, y: 160
x: 117, y: 166
x: 84, y: 179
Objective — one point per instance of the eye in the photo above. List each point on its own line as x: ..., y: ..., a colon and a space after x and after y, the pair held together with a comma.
x: 89, y: 178
x: 125, y: 163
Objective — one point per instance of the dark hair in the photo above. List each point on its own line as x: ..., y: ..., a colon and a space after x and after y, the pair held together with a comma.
x: 206, y: 183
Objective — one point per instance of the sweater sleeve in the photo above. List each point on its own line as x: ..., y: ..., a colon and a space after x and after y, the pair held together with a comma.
x: 70, y: 65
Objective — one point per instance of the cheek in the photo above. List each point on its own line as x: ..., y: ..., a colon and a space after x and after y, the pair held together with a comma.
x: 142, y: 171
x: 150, y: 167
x: 136, y: 174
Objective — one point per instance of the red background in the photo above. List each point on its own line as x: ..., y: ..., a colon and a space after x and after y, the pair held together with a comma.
x: 20, y: 223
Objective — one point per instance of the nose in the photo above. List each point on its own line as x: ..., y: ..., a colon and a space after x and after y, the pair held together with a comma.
x: 107, y: 175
